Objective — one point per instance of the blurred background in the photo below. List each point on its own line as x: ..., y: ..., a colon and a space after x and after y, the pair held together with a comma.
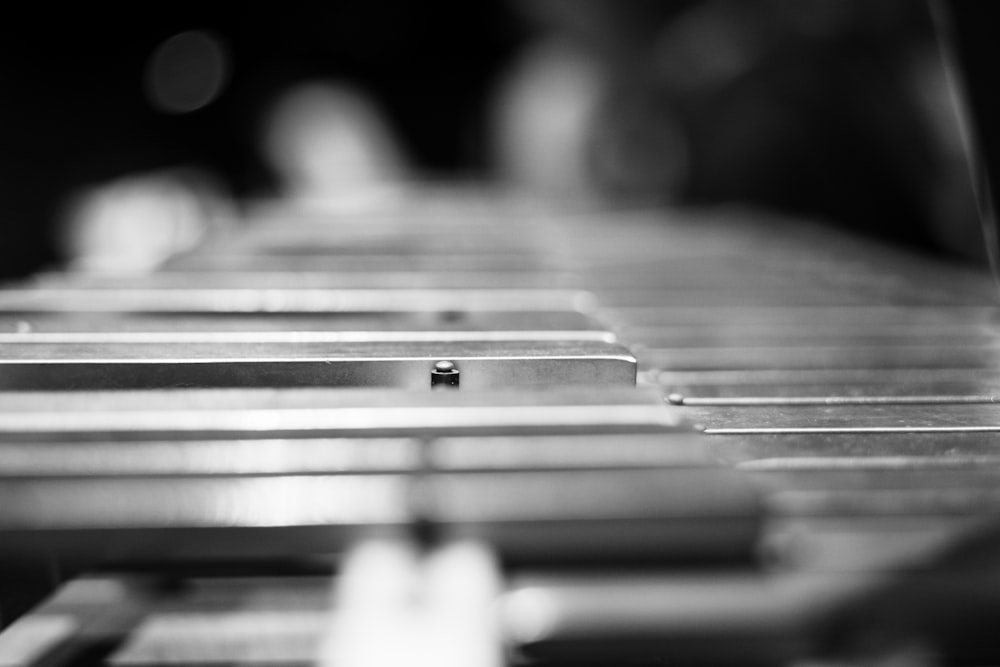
x: 122, y: 130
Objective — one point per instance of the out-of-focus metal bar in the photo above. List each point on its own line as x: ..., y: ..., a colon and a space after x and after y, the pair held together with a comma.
x: 260, y: 279
x: 444, y: 323
x: 651, y: 515
x: 695, y: 514
x: 544, y: 451
x: 237, y: 300
x: 312, y: 262
x: 272, y: 413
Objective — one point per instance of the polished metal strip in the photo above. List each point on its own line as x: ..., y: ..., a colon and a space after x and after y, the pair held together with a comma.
x: 874, y: 418
x: 959, y: 447
x: 750, y: 401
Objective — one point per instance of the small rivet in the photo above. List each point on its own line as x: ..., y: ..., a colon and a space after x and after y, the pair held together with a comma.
x: 444, y: 375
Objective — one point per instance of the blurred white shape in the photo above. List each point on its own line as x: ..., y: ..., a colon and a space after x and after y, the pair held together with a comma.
x: 544, y: 115
x: 134, y: 224
x: 394, y: 608
x: 186, y: 72
x: 463, y: 585
x: 32, y: 636
x: 375, y: 600
x: 330, y: 148
x: 529, y: 614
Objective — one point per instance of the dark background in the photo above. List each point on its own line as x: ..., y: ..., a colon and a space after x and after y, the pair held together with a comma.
x: 818, y: 126
x: 74, y: 111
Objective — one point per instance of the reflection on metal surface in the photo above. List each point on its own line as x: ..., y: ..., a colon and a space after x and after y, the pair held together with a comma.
x: 147, y: 502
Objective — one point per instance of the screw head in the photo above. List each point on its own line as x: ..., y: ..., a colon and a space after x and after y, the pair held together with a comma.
x: 444, y: 367
x: 444, y: 375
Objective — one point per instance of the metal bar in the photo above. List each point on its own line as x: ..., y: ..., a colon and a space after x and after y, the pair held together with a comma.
x: 143, y: 365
